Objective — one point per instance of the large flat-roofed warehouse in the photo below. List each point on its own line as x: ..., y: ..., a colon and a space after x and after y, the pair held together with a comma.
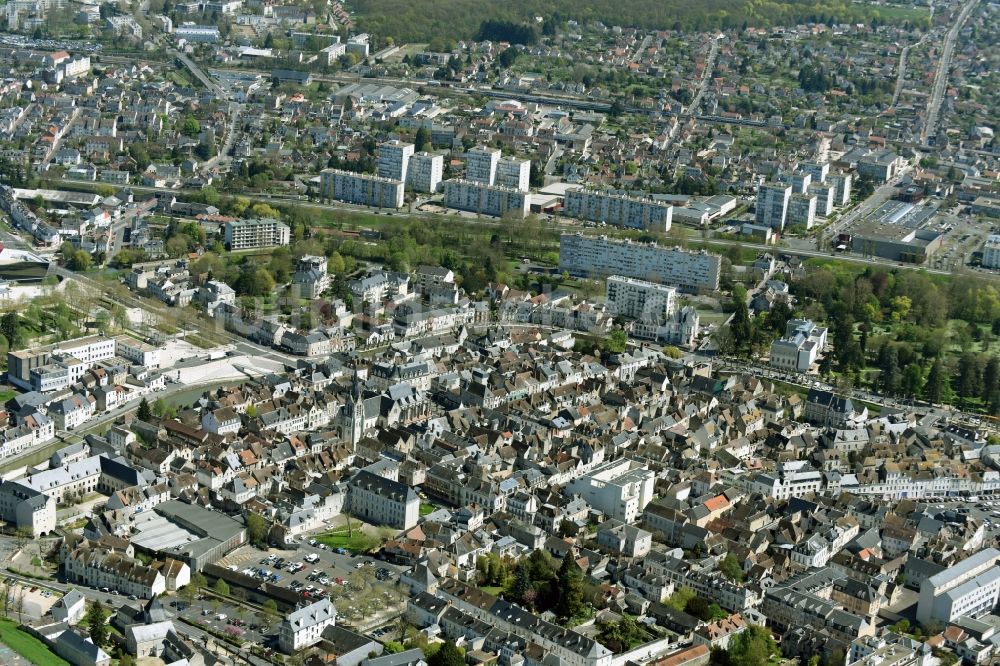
x: 188, y: 532
x: 897, y: 231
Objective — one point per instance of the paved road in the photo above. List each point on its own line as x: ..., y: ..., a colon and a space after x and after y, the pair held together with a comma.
x: 941, y: 75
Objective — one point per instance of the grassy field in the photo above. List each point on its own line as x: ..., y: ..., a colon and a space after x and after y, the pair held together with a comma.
x: 355, y: 541
x: 28, y: 646
x: 426, y: 508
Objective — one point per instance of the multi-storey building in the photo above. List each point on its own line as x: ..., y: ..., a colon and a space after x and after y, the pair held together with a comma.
x: 95, y: 565
x: 601, y: 256
x: 256, y: 233
x: 304, y: 627
x: 311, y: 278
x: 140, y: 353
x: 27, y: 508
x: 802, y: 210
x: 393, y: 159
x: 481, y: 164
x: 991, y: 251
x: 618, y: 209
x: 75, y: 356
x: 484, y: 199
x: 620, y: 489
x: 362, y: 189
x: 425, y: 172
x: 825, y: 195
x: 842, y: 184
x: 772, y: 204
x: 970, y: 588
x: 383, y: 501
x: 646, y: 301
x: 514, y: 173
x: 798, y: 349
x: 818, y: 170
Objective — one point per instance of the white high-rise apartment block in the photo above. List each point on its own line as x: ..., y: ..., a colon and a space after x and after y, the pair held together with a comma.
x: 818, y: 170
x: 481, y: 164
x: 485, y: 199
x: 772, y: 205
x: 802, y: 210
x: 648, y: 302
x: 393, y: 159
x: 425, y: 172
x: 360, y: 188
x: 842, y: 181
x: 601, y: 256
x: 514, y: 173
x: 250, y: 234
x: 991, y: 251
x: 800, y: 182
x: 825, y: 193
x: 619, y: 210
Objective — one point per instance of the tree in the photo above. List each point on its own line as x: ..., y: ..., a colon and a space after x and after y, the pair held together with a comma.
x: 11, y: 329
x: 522, y: 581
x: 144, y: 413
x: 190, y: 126
x: 96, y: 620
x: 221, y: 587
x: 937, y: 388
x: 448, y: 654
x: 422, y: 139
x: 741, y: 326
x: 753, y: 647
x: 188, y: 594
x: 731, y: 569
x: 570, y: 579
x: 913, y: 380
x: 271, y: 606
x: 257, y: 529
x: 970, y: 376
x: 616, y: 341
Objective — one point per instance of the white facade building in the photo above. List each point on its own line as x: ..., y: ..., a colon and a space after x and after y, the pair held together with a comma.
x: 620, y: 489
x: 648, y: 302
x: 393, y: 159
x: 970, y: 588
x: 252, y: 234
x: 362, y: 189
x: 619, y: 210
x: 772, y: 204
x: 514, y: 173
x: 600, y: 256
x: 797, y: 350
x: 481, y: 164
x: 484, y: 199
x: 425, y: 172
x: 991, y: 251
x: 304, y: 627
x: 802, y: 210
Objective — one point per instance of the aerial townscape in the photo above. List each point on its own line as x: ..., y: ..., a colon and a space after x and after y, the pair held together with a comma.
x: 522, y: 333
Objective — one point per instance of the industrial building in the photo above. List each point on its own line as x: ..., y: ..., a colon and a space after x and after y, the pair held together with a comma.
x: 897, y: 231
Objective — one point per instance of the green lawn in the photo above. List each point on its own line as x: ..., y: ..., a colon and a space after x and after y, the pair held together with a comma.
x: 28, y: 646
x: 7, y: 395
x: 426, y: 508
x: 356, y: 542
x: 495, y: 590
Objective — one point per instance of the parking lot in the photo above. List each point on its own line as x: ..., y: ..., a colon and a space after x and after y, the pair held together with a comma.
x: 362, y: 587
